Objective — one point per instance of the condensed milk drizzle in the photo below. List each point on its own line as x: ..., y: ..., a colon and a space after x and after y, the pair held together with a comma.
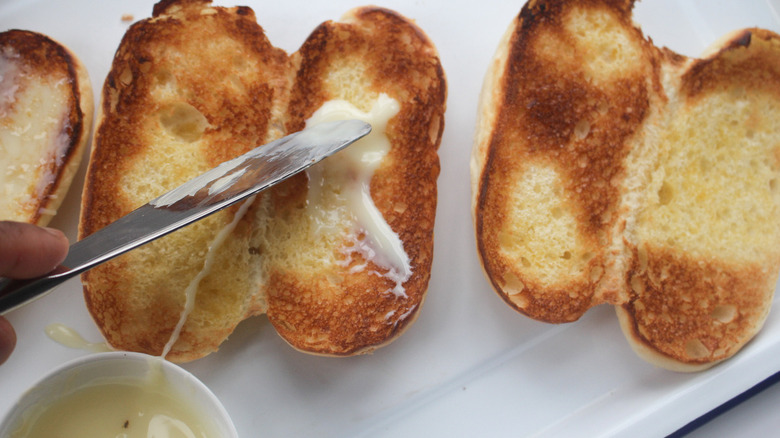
x: 351, y: 171
x: 70, y: 338
x: 192, y: 287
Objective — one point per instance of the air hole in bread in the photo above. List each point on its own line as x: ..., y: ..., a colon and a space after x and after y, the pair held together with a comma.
x: 163, y: 77
x: 507, y: 239
x: 512, y: 284
x: 183, y: 121
x: 581, y: 129
x: 520, y: 300
x: 724, y: 313
x: 773, y: 185
x: 602, y: 107
x: 637, y: 285
x: 643, y: 331
x: 695, y: 349
x: 566, y: 255
x: 126, y: 76
x: 665, y: 194
x: 525, y: 262
x: 433, y: 129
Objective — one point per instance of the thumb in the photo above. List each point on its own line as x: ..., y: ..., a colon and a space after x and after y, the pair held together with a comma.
x: 28, y: 250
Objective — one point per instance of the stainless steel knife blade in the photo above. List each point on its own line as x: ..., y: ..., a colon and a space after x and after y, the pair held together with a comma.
x: 226, y: 184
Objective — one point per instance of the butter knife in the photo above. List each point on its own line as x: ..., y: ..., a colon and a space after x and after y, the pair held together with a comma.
x: 220, y: 187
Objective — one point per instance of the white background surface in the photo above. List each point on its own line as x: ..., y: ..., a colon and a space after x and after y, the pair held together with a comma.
x: 469, y: 366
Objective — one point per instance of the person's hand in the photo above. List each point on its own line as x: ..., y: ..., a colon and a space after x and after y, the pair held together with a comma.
x: 26, y: 251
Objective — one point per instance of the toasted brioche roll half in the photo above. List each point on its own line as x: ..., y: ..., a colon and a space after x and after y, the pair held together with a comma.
x: 46, y: 107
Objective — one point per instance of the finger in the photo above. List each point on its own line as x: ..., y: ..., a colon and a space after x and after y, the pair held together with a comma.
x: 7, y: 339
x: 28, y: 250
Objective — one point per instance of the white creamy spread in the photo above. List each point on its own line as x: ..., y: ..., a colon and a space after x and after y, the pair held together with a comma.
x: 9, y: 72
x: 35, y: 113
x: 192, y: 187
x: 192, y: 287
x: 351, y: 170
x: 402, y: 317
x: 226, y: 181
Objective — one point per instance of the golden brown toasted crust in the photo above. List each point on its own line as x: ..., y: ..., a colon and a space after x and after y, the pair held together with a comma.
x: 625, y: 183
x: 355, y: 316
x: 45, y: 60
x: 189, y: 88
x: 688, y: 314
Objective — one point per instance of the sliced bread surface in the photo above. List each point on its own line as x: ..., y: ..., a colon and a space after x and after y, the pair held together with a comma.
x: 196, y: 85
x: 332, y: 288
x: 607, y: 170
x: 46, y: 107
x: 189, y: 88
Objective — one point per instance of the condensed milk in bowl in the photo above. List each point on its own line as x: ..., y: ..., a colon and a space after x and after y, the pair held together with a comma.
x: 118, y: 394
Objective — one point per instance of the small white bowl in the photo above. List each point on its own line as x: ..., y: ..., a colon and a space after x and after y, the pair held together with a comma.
x: 116, y: 367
